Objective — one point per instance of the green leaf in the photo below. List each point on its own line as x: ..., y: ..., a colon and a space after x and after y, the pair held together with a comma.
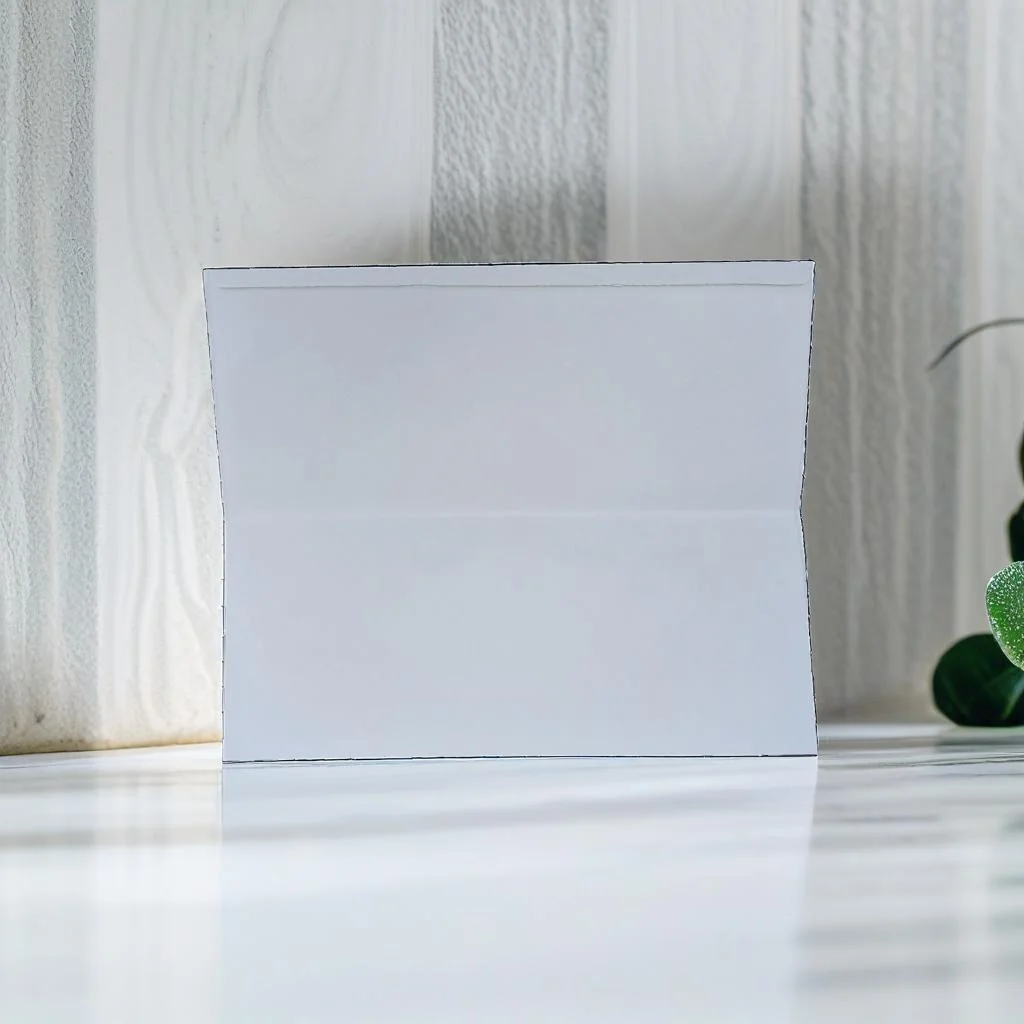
x: 975, y: 684
x: 1015, y: 529
x: 1005, y: 600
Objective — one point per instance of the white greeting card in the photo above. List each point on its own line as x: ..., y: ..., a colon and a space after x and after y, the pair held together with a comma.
x: 513, y: 510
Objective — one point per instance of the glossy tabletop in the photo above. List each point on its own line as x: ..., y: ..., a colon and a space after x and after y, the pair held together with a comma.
x: 882, y: 882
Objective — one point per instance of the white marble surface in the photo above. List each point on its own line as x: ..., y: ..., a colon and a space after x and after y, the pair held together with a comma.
x: 884, y: 882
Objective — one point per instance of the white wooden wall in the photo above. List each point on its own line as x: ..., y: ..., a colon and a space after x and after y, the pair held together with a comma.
x: 885, y: 212
x: 991, y: 372
x: 227, y: 134
x: 144, y: 139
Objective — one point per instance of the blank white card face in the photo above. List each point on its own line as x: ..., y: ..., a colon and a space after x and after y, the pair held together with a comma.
x: 513, y: 510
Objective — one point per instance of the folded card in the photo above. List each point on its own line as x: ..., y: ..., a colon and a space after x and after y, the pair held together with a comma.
x: 513, y: 510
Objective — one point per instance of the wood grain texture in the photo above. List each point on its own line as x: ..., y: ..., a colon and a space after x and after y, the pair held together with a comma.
x: 519, y: 157
x: 49, y: 694
x: 991, y: 367
x: 883, y: 214
x: 239, y: 133
x: 704, y: 130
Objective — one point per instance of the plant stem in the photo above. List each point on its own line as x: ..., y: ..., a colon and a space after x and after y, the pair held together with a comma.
x: 1010, y: 321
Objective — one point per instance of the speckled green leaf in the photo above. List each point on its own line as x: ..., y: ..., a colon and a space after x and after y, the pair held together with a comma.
x: 1005, y: 600
x: 975, y: 684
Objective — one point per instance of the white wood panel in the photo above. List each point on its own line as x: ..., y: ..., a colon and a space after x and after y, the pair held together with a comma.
x: 237, y: 133
x: 519, y: 131
x: 883, y: 215
x: 47, y: 377
x: 704, y: 130
x: 836, y: 130
x: 991, y: 366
